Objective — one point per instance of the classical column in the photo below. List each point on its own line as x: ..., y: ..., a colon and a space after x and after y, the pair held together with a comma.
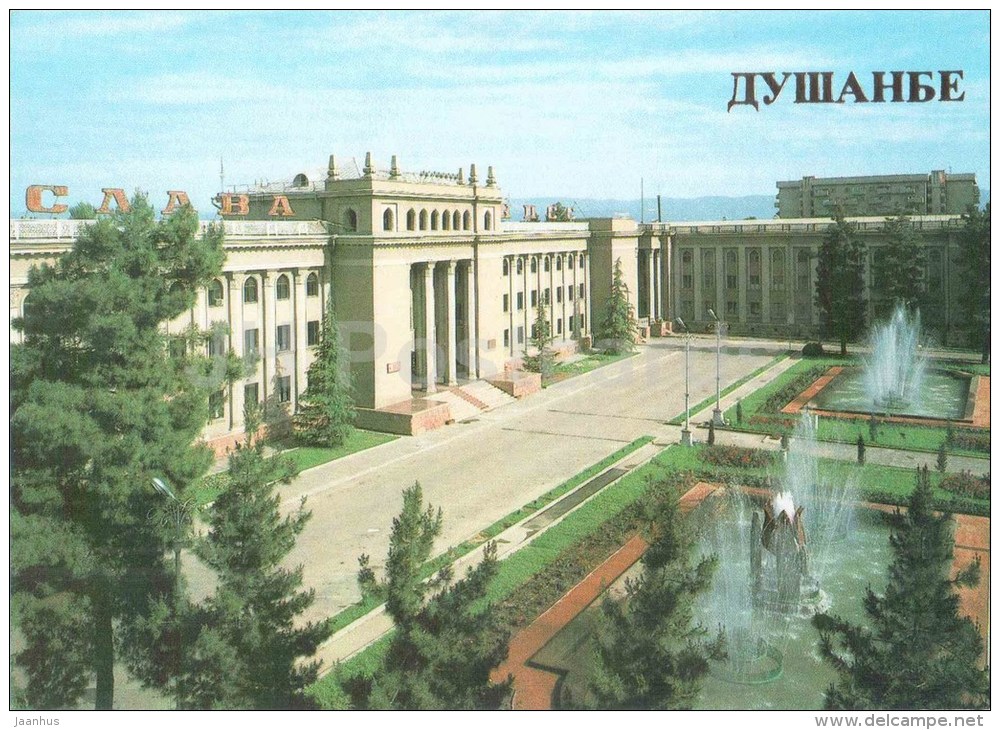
x: 576, y: 297
x: 471, y: 370
x: 451, y: 321
x: 650, y: 290
x: 430, y: 340
x: 654, y: 312
x: 269, y: 334
x: 765, y: 285
x: 742, y: 259
x: 551, y: 304
x: 588, y: 325
x: 720, y: 283
x: 510, y: 303
x: 235, y: 287
x: 526, y: 268
x: 698, y: 271
x: 299, y: 289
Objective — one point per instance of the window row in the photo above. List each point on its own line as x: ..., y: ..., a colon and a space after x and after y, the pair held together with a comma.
x: 579, y: 290
x: 570, y: 326
x: 731, y: 271
x: 251, y: 289
x: 216, y: 345
x: 251, y: 396
x: 571, y: 260
x: 448, y: 220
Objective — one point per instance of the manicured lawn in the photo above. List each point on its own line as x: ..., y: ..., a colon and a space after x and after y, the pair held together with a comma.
x: 760, y: 416
x: 305, y: 457
x: 591, y: 362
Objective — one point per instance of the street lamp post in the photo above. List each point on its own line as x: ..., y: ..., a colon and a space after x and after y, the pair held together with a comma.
x: 717, y: 418
x: 686, y: 431
x: 175, y: 513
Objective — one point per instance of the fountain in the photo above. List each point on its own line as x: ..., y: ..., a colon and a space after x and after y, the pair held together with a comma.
x: 894, y: 370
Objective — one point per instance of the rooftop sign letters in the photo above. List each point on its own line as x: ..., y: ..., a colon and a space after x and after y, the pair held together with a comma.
x: 44, y: 199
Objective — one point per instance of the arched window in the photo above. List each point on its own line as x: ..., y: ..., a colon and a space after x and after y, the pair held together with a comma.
x: 506, y: 268
x: 547, y: 263
x: 777, y: 269
x: 423, y: 220
x: 520, y: 266
x: 215, y: 293
x: 753, y: 268
x: 559, y: 263
x: 732, y: 270
x: 250, y: 290
x: 312, y: 285
x: 456, y: 220
x: 446, y: 221
x: 387, y: 221
x: 411, y: 220
x: 466, y: 221
x: 281, y: 288
x: 351, y: 219
x: 488, y: 221
x: 581, y: 261
x: 534, y: 265
x: 435, y: 220
x: 570, y: 260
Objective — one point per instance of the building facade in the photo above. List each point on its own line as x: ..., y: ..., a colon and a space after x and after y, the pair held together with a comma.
x: 939, y: 193
x: 434, y: 286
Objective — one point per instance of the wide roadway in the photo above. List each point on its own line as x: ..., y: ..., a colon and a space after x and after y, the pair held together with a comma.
x: 481, y: 470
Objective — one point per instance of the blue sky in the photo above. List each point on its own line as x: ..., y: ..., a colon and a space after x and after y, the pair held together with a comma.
x: 571, y: 105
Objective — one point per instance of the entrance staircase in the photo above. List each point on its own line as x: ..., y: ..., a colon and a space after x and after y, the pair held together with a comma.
x: 469, y: 400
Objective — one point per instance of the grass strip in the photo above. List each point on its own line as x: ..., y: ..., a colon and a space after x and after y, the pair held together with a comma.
x: 352, y: 613
x: 596, y: 360
x: 679, y: 418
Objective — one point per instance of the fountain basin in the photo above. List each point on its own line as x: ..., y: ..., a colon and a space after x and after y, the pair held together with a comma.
x: 943, y: 395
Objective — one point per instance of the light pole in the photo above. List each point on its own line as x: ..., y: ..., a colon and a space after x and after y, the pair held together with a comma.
x: 175, y: 513
x: 686, y: 431
x: 717, y: 418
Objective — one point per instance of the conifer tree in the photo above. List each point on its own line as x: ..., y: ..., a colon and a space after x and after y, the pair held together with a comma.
x: 650, y: 653
x: 619, y: 330
x: 974, y: 262
x: 916, y: 652
x: 898, y: 267
x: 249, y: 652
x: 326, y: 416
x: 840, y: 282
x: 543, y: 361
x: 97, y: 411
x: 447, y: 639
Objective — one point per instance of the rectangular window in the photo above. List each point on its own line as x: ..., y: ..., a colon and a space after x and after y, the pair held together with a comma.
x: 251, y: 341
x: 582, y: 290
x: 506, y: 338
x: 312, y: 332
x: 216, y: 345
x: 583, y: 321
x: 520, y: 335
x: 520, y: 301
x: 546, y: 297
x: 534, y: 331
x: 558, y: 294
x: 284, y: 337
x: 569, y: 293
x: 284, y: 390
x: 251, y: 394
x: 506, y: 302
x: 216, y: 405
x: 572, y: 319
x: 534, y: 298
x: 708, y: 269
x: 559, y: 326
x: 754, y: 308
x: 732, y: 309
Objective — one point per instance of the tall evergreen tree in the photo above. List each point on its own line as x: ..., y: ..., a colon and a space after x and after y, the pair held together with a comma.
x: 326, y: 417
x: 447, y: 639
x: 898, y: 267
x: 97, y: 411
x: 544, y: 359
x: 840, y: 283
x: 650, y: 653
x: 250, y: 653
x: 974, y: 262
x: 619, y: 329
x: 916, y: 652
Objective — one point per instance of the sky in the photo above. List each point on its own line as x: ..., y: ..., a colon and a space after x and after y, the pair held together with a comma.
x: 568, y: 105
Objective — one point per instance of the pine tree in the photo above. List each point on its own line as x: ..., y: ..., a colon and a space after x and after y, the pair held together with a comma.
x: 898, y: 266
x: 97, y: 411
x: 974, y: 262
x: 650, y: 654
x: 543, y: 361
x: 840, y: 282
x: 619, y: 330
x: 447, y: 640
x: 711, y: 433
x: 249, y: 652
x: 326, y: 417
x: 916, y: 651
x: 861, y: 450
x: 942, y: 459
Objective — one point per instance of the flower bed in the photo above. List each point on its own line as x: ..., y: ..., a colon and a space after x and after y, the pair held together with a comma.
x: 971, y: 440
x: 967, y: 484
x: 736, y: 456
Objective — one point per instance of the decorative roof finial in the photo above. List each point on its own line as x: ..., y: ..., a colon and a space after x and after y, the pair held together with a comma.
x: 394, y: 169
x: 369, y: 167
x: 332, y: 173
x: 490, y: 180
x: 472, y: 174
x: 461, y: 176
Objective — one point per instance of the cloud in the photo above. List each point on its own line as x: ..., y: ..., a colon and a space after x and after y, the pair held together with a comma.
x: 33, y: 26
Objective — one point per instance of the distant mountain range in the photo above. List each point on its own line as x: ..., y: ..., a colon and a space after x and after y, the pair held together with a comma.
x: 709, y: 208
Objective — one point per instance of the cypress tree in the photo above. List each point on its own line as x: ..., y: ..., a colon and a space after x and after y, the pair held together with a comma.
x: 447, y: 639
x: 974, y: 262
x: 650, y: 653
x: 619, y: 329
x: 840, y: 282
x: 97, y: 411
x: 543, y: 361
x: 326, y: 416
x: 916, y: 652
